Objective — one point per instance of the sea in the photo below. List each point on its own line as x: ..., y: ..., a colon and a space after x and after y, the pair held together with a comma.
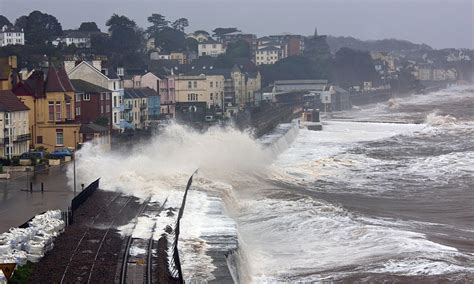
x: 384, y: 193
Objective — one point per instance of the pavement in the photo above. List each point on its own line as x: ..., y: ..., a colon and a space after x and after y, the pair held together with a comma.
x: 18, y: 205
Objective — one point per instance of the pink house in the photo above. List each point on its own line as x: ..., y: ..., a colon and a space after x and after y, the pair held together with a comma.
x: 168, y: 96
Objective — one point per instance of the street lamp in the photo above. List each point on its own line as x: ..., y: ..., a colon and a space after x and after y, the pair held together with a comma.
x: 74, y: 162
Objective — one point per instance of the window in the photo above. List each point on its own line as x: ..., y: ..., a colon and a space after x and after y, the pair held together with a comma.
x: 86, y: 97
x: 107, y: 96
x: 135, y: 103
x: 59, y: 137
x: 214, y: 46
x: 50, y: 111
x: 107, y: 108
x: 115, y: 117
x: 58, y: 111
x: 115, y: 102
x: 101, y: 108
x: 195, y: 84
x: 212, y: 96
x: 78, y: 97
x: 210, y: 84
x: 7, y: 118
x: 102, y: 96
x: 78, y: 111
x: 190, y: 84
x: 68, y: 111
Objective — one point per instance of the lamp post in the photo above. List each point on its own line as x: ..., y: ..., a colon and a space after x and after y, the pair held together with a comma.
x: 74, y: 162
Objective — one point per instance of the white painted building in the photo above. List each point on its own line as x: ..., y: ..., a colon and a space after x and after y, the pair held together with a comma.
x: 210, y: 48
x: 11, y: 36
x: 15, y: 137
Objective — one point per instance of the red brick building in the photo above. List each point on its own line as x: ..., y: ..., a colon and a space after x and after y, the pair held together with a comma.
x: 93, y: 103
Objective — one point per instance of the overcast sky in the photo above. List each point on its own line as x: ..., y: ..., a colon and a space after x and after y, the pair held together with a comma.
x: 439, y: 23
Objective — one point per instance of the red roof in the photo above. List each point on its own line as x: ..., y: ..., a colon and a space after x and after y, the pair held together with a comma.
x: 65, y: 80
x: 33, y: 86
x: 53, y: 83
x: 9, y: 102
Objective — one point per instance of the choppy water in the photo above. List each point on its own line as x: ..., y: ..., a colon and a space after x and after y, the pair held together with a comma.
x: 363, y: 200
x: 367, y: 201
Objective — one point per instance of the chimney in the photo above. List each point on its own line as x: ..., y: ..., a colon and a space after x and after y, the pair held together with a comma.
x: 97, y: 64
x: 69, y: 65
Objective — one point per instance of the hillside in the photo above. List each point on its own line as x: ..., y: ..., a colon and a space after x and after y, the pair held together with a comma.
x: 385, y: 45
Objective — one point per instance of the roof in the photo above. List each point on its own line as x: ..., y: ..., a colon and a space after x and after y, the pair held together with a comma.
x: 209, y: 41
x: 58, y: 81
x: 82, y: 34
x: 300, y: 82
x: 209, y: 72
x: 86, y: 87
x: 33, y: 86
x: 139, y: 93
x: 269, y: 48
x: 92, y: 128
x: 10, y: 102
x: 11, y: 29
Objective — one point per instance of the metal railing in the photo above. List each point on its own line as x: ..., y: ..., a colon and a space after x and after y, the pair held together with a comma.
x: 175, y: 263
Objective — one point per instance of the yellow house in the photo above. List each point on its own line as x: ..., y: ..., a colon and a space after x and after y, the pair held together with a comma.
x: 52, y: 109
x: 7, y: 75
x: 200, y: 88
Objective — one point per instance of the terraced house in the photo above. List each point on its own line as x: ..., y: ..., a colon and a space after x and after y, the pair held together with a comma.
x: 15, y: 137
x: 52, y: 109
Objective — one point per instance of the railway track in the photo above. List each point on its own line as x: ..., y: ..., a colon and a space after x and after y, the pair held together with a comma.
x: 80, y: 267
x: 137, y: 262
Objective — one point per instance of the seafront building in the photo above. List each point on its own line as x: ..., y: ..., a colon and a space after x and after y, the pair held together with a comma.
x: 15, y: 137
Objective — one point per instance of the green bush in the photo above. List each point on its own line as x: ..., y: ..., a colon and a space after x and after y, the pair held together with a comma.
x: 22, y: 274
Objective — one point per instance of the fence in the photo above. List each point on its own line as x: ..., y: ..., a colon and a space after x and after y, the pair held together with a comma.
x: 175, y: 264
x: 83, y: 195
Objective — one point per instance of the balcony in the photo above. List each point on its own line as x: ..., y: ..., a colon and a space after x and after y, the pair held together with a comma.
x: 143, y: 106
x: 22, y: 137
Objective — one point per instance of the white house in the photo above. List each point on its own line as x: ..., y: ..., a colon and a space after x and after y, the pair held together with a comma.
x: 15, y: 137
x: 210, y: 48
x: 106, y: 79
x: 11, y: 36
x: 268, y: 55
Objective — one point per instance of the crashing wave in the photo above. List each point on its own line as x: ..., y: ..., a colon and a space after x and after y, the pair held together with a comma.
x: 435, y: 119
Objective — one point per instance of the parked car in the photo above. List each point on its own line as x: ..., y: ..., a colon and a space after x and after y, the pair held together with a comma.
x: 38, y: 155
x: 60, y: 153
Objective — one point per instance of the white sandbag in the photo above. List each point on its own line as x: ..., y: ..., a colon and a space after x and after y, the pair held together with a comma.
x: 34, y: 257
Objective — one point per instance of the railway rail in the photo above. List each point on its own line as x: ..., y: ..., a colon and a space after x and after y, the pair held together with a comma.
x: 137, y: 262
x: 81, y: 264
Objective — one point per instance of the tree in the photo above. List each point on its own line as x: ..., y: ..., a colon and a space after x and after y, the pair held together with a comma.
x: 158, y: 23
x: 222, y: 31
x: 239, y: 49
x: 39, y: 27
x: 180, y: 24
x: 169, y: 40
x: 89, y: 27
x: 353, y: 67
x: 125, y: 36
x: 190, y: 44
x: 4, y: 21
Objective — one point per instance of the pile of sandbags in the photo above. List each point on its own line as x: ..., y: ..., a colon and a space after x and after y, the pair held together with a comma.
x: 21, y: 244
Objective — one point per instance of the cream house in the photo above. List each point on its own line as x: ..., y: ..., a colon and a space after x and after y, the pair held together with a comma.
x: 200, y: 88
x: 15, y: 139
x: 210, y: 48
